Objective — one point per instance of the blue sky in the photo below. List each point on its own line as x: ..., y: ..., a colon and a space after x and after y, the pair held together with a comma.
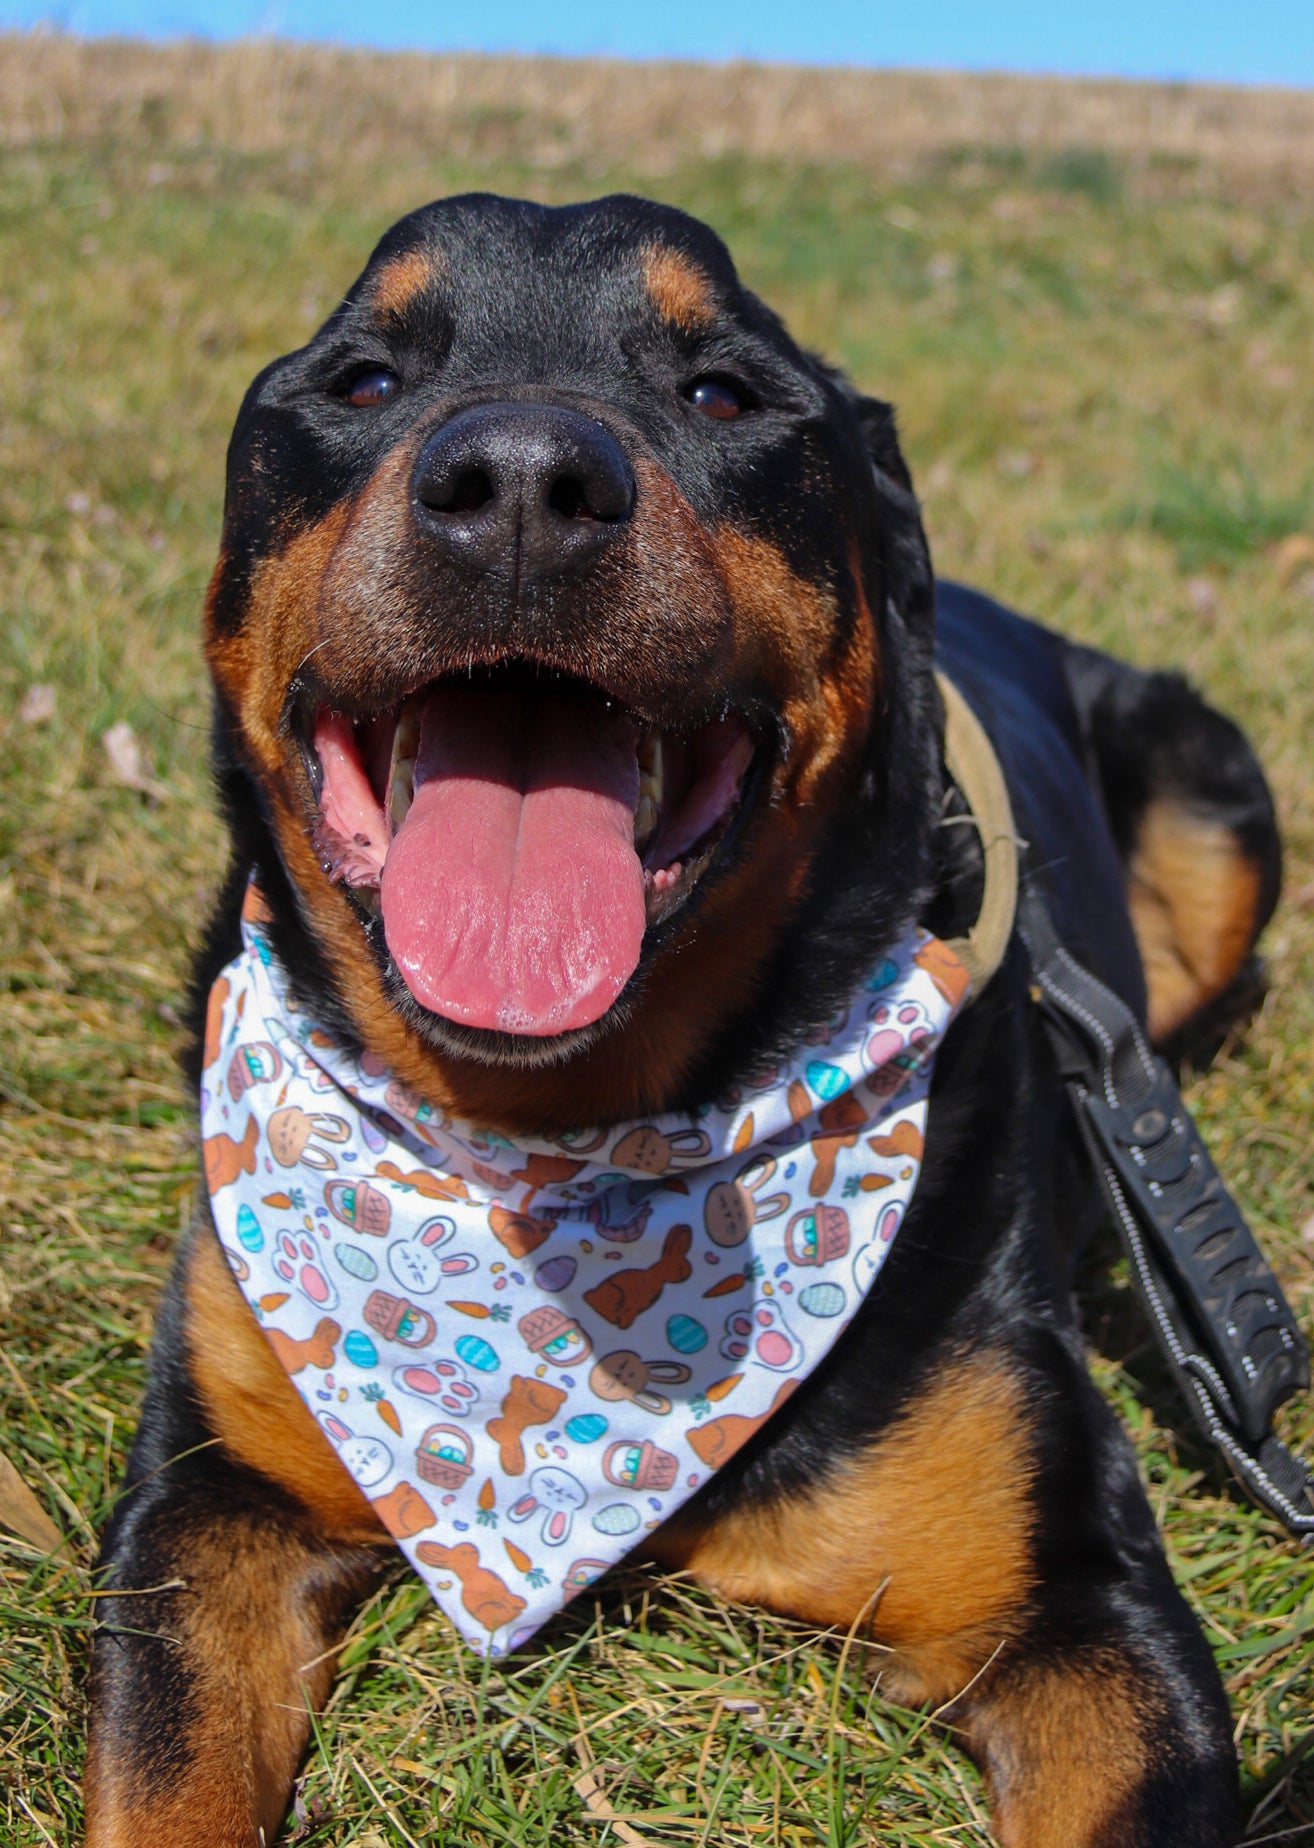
x: 1267, y: 41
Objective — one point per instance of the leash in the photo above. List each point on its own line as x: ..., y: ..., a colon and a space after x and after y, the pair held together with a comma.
x: 1217, y: 1310
x: 1222, y: 1322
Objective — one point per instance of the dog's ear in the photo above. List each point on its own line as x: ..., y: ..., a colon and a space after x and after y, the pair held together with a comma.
x: 880, y: 434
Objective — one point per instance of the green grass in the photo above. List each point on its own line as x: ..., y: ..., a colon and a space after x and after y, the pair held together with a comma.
x: 1104, y: 395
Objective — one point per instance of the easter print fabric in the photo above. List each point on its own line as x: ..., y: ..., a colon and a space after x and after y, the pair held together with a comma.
x: 529, y: 1354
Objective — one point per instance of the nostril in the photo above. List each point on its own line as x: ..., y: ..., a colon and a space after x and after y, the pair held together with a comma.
x: 569, y: 498
x: 469, y: 490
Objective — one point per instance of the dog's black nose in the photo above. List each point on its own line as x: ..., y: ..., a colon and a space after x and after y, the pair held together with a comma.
x: 523, y: 491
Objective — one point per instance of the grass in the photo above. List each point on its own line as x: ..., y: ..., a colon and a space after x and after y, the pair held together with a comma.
x: 1095, y: 312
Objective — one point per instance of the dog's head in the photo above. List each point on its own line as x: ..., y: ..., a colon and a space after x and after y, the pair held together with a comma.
x: 571, y: 640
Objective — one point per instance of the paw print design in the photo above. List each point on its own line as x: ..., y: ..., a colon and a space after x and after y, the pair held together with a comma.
x: 898, y: 1046
x: 367, y: 1458
x: 297, y: 1261
x: 438, y: 1382
x: 296, y: 1135
x: 259, y: 1063
x: 559, y: 1495
x: 415, y: 1261
x: 733, y: 1208
x: 762, y: 1335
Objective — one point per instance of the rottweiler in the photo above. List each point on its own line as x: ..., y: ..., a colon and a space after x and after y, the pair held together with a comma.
x: 553, y: 507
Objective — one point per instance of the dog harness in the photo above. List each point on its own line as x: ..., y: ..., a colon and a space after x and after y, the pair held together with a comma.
x: 529, y: 1353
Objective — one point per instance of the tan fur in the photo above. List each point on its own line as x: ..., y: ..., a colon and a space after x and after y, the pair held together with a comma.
x: 254, y: 1408
x: 740, y: 608
x: 1194, y: 900
x: 395, y: 286
x: 248, y: 1626
x: 1085, y: 1725
x: 678, y: 288
x: 933, y: 1562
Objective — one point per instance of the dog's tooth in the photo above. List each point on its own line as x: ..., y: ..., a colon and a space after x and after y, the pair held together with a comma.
x: 401, y: 790
x: 645, y: 820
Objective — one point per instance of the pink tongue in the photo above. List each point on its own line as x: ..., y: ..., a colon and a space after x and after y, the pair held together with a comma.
x: 512, y: 895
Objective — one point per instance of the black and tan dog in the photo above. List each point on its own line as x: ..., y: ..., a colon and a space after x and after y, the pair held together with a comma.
x: 551, y: 489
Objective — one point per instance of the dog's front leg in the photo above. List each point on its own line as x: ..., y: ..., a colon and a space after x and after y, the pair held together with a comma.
x: 234, y: 1561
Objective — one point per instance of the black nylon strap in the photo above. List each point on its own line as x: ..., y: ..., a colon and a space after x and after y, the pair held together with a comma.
x: 1217, y: 1309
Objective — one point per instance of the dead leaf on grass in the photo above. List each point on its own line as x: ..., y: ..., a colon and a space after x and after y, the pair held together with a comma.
x: 127, y: 766
x: 22, y: 1513
x: 1291, y: 556
x: 37, y: 706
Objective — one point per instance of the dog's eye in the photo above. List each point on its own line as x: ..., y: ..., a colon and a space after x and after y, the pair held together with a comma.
x: 370, y: 387
x: 717, y: 398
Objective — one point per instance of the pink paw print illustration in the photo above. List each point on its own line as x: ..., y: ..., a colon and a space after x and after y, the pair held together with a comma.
x: 761, y: 1334
x: 297, y: 1261
x: 438, y: 1382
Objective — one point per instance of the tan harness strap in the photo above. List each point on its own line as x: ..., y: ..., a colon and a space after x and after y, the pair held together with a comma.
x: 972, y: 764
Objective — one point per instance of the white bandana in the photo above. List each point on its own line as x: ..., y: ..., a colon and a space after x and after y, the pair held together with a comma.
x: 530, y: 1353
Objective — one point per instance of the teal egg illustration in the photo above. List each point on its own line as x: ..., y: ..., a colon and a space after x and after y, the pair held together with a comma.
x: 685, y: 1335
x: 249, y: 1233
x: 476, y: 1352
x: 826, y: 1080
x: 587, y: 1428
x: 555, y: 1273
x: 821, y: 1299
x: 616, y: 1518
x: 360, y: 1350
x: 355, y: 1262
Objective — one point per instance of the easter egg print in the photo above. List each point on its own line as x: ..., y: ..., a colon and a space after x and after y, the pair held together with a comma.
x: 616, y: 1518
x: 555, y: 1273
x: 685, y: 1335
x: 822, y: 1299
x: 587, y: 1428
x: 826, y: 1080
x: 356, y: 1263
x: 249, y: 1232
x: 477, y: 1353
x: 360, y: 1350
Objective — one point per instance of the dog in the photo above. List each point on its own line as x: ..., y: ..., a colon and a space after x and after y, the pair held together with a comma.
x: 574, y: 642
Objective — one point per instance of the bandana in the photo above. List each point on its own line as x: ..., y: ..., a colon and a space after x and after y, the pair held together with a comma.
x: 529, y: 1353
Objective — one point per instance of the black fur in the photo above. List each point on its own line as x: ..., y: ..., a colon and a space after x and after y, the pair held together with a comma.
x: 984, y: 1262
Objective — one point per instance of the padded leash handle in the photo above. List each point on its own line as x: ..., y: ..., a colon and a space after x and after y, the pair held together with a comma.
x: 1218, y: 1311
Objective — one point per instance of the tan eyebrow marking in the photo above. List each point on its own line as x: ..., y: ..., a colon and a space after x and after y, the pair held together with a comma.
x: 680, y: 291
x: 401, y: 279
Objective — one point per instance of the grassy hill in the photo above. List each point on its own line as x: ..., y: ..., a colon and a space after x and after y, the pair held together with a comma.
x: 1094, y: 306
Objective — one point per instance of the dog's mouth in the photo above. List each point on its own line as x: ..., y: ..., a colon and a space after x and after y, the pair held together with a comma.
x: 520, y: 833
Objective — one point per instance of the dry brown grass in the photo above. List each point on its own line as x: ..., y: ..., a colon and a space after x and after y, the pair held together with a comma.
x: 267, y: 96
